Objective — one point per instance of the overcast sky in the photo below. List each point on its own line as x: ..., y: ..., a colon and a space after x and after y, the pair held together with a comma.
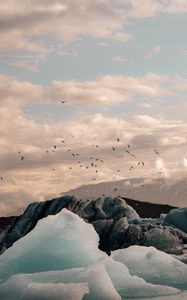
x: 121, y: 68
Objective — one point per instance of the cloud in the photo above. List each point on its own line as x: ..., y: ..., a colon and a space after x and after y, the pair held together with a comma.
x: 156, y: 49
x: 22, y: 24
x: 109, y: 90
x: 161, y: 167
x: 122, y: 37
x: 41, y: 27
x: 121, y: 59
x: 45, y: 172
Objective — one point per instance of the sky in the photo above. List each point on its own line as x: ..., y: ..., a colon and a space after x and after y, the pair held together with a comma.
x: 120, y: 68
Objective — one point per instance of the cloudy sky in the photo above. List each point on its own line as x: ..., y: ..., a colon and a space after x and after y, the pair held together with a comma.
x: 120, y: 67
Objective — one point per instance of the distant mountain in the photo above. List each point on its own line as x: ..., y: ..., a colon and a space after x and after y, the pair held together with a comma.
x: 160, y: 191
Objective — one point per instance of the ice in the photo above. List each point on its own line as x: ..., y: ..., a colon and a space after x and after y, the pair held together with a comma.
x: 129, y: 286
x: 178, y: 218
x: 20, y: 287
x: 58, y: 242
x: 59, y: 259
x: 153, y: 265
x: 105, y: 279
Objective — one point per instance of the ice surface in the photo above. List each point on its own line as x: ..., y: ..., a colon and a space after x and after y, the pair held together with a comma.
x: 153, y: 265
x: 58, y: 242
x: 62, y: 261
x: 178, y: 218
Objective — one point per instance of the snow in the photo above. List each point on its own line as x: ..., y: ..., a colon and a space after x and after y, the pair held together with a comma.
x: 60, y: 259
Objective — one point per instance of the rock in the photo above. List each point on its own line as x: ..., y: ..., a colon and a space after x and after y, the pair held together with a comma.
x: 177, y: 218
x: 118, y: 232
x: 164, y: 240
x: 134, y: 236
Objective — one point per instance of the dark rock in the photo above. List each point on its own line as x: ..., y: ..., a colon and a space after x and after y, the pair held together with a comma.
x: 164, y: 240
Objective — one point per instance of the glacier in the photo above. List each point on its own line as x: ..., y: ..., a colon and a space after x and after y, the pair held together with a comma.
x: 59, y: 259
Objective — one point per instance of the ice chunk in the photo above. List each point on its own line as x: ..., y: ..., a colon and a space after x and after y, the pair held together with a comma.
x: 178, y: 218
x: 94, y: 278
x: 19, y: 287
x: 153, y: 265
x: 129, y: 286
x: 58, y: 242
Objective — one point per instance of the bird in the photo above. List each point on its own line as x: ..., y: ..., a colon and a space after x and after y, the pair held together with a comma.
x: 128, y: 146
x: 118, y: 140
x: 69, y: 150
x: 143, y: 164
x: 92, y: 164
x: 73, y: 154
x: 156, y: 151
x: 47, y: 151
x: 54, y: 146
x: 70, y: 168
x: 22, y: 158
x: 118, y: 170
x: 113, y: 149
x: 63, y: 101
x: 1, y: 178
x: 115, y: 189
x: 53, y: 169
x: 62, y: 141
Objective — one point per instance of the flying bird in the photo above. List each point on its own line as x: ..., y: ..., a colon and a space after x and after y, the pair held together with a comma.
x: 156, y: 152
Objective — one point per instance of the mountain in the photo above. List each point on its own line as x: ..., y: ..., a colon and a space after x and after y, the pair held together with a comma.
x: 160, y: 191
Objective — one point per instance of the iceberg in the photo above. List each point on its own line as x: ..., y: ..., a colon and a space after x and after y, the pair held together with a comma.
x: 59, y: 259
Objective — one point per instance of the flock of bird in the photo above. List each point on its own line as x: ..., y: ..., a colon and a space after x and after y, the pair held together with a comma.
x: 93, y: 164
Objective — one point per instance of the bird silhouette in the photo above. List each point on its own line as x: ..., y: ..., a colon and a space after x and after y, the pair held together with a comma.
x: 113, y: 149
x: 156, y: 151
x: 118, y: 140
